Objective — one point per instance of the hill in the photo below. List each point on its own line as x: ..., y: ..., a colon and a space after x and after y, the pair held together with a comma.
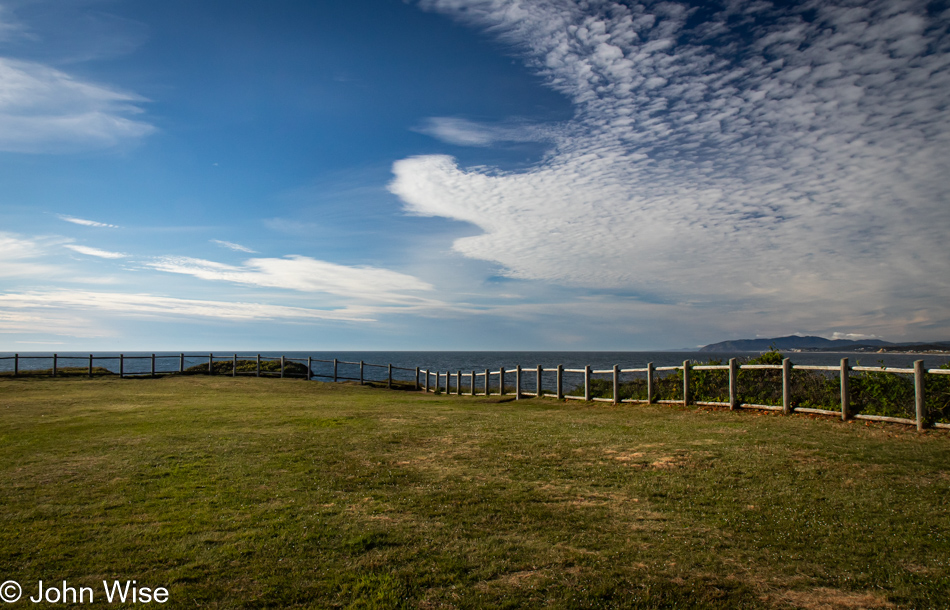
x: 820, y: 344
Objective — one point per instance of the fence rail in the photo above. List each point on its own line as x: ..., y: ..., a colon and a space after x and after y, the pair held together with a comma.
x: 480, y: 383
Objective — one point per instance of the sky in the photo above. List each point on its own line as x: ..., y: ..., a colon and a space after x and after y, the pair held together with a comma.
x: 471, y: 174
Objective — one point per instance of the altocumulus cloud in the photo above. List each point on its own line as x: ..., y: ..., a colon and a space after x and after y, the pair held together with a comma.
x: 750, y: 156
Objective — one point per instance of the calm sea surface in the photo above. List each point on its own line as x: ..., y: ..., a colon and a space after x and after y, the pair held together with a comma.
x: 450, y: 361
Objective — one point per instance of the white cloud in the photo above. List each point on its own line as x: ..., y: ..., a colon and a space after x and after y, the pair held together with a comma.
x: 94, y: 251
x: 469, y: 133
x: 233, y: 246
x: 305, y: 274
x: 157, y: 306
x: 86, y: 223
x: 802, y: 170
x: 43, y: 109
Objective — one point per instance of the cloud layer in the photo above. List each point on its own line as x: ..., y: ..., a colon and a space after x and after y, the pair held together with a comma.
x: 750, y: 158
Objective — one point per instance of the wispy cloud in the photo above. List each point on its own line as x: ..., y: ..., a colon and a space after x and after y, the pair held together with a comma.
x: 301, y: 273
x: 86, y: 223
x: 797, y: 163
x: 43, y: 109
x: 469, y: 133
x: 162, y: 307
x: 233, y: 246
x: 94, y: 251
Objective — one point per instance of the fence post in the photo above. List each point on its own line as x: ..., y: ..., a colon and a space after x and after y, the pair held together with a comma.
x: 309, y: 368
x: 417, y: 379
x: 153, y: 365
x: 538, y: 383
x: 121, y: 366
x: 334, y: 371
x: 733, y: 387
x: 458, y: 383
x: 487, y: 379
x: 518, y: 382
x: 90, y: 365
x: 922, y: 414
x: 560, y: 382
x: 54, y: 364
x: 787, y: 386
x: 473, y: 383
x: 361, y: 372
x: 211, y: 364
x: 616, y: 384
x: 447, y: 376
x: 181, y: 364
x: 650, y: 389
x: 685, y: 382
x: 234, y: 366
x: 427, y: 381
x: 438, y: 382
x: 389, y: 380
x: 845, y: 393
x: 501, y: 381
x: 587, y: 382
x: 16, y: 365
x: 281, y: 367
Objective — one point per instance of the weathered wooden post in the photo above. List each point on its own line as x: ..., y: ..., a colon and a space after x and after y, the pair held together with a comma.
x: 334, y: 370
x: 473, y: 383
x: 417, y: 379
x: 181, y: 364
x: 90, y: 365
x: 426, y: 386
x: 309, y: 368
x: 921, y: 407
x: 54, y: 364
x: 733, y: 384
x: 447, y: 375
x: 361, y: 372
x: 845, y: 390
x: 501, y: 381
x: 438, y: 383
x: 587, y: 382
x: 650, y: 391
x: 538, y: 383
x: 787, y: 386
x: 281, y: 367
x: 389, y: 379
x: 458, y: 383
x: 560, y: 382
x: 211, y: 364
x: 518, y: 382
x: 153, y: 365
x: 616, y: 384
x: 121, y: 366
x: 487, y: 379
x: 16, y: 365
x: 685, y: 382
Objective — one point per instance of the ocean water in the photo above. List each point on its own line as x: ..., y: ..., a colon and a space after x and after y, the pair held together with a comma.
x: 405, y: 362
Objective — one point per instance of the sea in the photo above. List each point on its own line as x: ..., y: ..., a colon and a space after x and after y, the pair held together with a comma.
x: 376, y: 363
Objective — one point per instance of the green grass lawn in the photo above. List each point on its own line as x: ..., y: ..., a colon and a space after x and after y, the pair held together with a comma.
x: 252, y: 493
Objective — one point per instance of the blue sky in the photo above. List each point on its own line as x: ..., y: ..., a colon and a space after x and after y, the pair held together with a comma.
x: 470, y: 174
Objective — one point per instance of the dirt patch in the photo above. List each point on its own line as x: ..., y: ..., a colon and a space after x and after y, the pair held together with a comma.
x: 835, y: 599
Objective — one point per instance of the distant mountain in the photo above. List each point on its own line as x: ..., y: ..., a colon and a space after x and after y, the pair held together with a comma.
x: 793, y: 342
x: 820, y: 344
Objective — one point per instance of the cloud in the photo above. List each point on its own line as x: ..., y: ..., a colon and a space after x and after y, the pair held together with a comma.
x: 305, y: 274
x: 94, y: 251
x: 787, y: 164
x: 233, y: 246
x: 158, y: 306
x: 18, y: 256
x: 86, y: 223
x: 43, y: 110
x: 463, y: 132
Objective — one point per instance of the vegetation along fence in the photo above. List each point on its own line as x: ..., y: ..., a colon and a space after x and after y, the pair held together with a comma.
x: 914, y: 396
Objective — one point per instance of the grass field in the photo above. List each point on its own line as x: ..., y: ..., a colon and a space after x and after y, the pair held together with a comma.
x: 253, y: 493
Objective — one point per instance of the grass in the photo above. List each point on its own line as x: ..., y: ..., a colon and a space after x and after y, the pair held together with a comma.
x: 254, y: 493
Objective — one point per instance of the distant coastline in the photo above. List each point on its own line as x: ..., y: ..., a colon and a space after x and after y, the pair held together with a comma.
x: 809, y: 344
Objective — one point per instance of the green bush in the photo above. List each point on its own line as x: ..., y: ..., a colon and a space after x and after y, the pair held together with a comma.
x: 224, y: 367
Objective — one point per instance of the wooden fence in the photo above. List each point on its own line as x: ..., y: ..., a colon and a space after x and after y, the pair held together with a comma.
x: 480, y: 383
